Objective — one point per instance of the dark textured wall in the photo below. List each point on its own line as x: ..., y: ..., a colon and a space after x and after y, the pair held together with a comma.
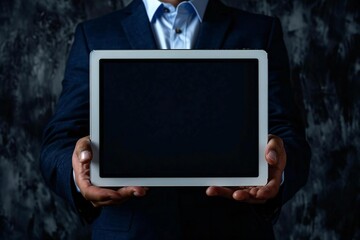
x: 323, y: 39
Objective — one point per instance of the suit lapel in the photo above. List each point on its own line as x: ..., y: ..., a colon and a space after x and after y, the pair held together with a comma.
x: 211, y: 35
x: 137, y: 27
x: 214, y: 26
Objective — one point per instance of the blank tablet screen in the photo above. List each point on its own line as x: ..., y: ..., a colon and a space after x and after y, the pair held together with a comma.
x: 179, y: 118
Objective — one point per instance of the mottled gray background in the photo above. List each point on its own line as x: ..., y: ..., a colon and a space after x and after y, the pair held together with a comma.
x: 323, y: 39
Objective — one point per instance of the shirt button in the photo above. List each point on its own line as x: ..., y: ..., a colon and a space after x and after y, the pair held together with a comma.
x: 166, y: 10
x: 178, y: 30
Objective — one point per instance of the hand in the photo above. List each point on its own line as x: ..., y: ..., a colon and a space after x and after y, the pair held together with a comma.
x: 275, y: 156
x: 81, y: 159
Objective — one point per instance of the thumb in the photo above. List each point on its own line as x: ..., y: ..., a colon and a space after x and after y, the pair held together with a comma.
x: 272, y: 157
x: 83, y: 150
x: 85, y: 156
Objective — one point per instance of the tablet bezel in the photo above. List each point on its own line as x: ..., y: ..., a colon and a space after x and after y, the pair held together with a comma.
x: 97, y: 55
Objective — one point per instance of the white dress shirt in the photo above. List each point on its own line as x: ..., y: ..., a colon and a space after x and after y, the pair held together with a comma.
x: 175, y: 27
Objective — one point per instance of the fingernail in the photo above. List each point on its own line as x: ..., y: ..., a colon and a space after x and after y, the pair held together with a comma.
x: 273, y: 155
x: 137, y: 194
x: 213, y: 192
x: 85, y: 155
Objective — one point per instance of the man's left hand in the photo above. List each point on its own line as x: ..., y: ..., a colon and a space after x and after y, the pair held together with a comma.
x: 275, y: 156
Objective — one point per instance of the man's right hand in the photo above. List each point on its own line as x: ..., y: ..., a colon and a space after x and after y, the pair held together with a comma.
x: 81, y: 159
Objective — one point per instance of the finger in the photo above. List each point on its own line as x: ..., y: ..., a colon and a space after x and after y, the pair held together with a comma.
x: 115, y: 201
x: 133, y: 191
x: 220, y: 191
x: 248, y: 196
x: 97, y: 194
x: 253, y: 191
x: 242, y: 195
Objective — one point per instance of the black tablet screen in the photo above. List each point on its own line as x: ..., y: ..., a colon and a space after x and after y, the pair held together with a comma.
x: 179, y: 118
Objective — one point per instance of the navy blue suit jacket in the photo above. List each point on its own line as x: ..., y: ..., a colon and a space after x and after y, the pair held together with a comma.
x: 174, y: 213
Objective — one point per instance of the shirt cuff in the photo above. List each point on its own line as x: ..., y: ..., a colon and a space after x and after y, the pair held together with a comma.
x: 77, y: 188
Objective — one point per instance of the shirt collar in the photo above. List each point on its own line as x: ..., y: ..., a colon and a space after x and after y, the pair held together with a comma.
x: 151, y: 7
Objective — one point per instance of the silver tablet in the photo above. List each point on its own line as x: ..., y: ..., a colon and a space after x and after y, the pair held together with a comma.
x: 178, y: 117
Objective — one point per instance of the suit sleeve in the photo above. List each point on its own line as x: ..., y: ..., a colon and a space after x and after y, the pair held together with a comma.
x: 284, y: 119
x: 69, y: 123
x: 284, y: 122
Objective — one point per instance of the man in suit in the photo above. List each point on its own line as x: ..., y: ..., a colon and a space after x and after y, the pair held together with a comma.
x: 175, y: 213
